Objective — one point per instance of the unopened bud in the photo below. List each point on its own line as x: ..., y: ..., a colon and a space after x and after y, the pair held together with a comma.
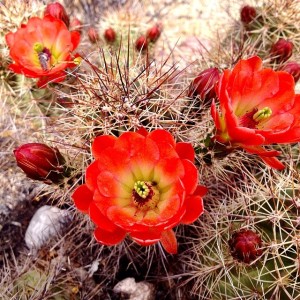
x: 57, y: 11
x: 93, y: 35
x: 154, y: 33
x: 293, y: 68
x: 203, y: 86
x: 41, y: 162
x: 245, y: 245
x: 141, y: 43
x: 110, y: 35
x: 248, y: 14
x: 282, y: 50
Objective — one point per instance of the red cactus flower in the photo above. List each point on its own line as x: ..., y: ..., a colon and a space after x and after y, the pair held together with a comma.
x: 248, y: 14
x: 293, y: 68
x: 57, y: 11
x: 141, y: 43
x: 154, y: 33
x: 41, y: 162
x: 93, y: 35
x: 42, y: 49
x: 257, y: 107
x: 245, y: 245
x: 282, y: 50
x: 204, y: 84
x: 110, y: 35
x: 141, y: 184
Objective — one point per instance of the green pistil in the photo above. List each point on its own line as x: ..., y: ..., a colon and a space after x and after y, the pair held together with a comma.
x: 38, y: 47
x: 262, y: 114
x: 141, y: 189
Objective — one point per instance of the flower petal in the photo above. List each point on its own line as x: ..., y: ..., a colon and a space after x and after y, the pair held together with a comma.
x: 82, y: 198
x: 273, y: 162
x: 185, y: 151
x: 109, y: 186
x: 109, y: 238
x: 168, y: 171
x: 194, y: 208
x: 101, y: 143
x: 91, y: 175
x: 190, y: 178
x: 146, y: 238
x: 168, y: 241
x: 101, y: 220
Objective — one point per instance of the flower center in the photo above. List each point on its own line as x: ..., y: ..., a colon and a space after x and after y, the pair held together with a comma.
x: 145, y: 195
x: 44, y: 55
x: 262, y: 114
x: 251, y: 119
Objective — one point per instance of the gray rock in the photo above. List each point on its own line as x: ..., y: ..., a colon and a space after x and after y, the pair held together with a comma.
x: 46, y: 223
x: 135, y: 290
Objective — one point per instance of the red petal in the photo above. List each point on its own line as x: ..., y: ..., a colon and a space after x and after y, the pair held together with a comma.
x: 82, y: 198
x: 91, y: 175
x: 201, y: 191
x: 57, y: 77
x: 215, y: 115
x: 123, y: 217
x: 261, y: 151
x: 99, y: 219
x: 168, y: 241
x: 21, y: 70
x: 273, y: 162
x: 10, y: 39
x: 168, y: 171
x: 109, y: 238
x: 190, y: 178
x: 109, y: 186
x: 185, y: 151
x: 161, y: 135
x: 142, y: 131
x: 171, y: 202
x: 101, y: 143
x: 146, y: 238
x: 194, y: 208
x: 104, y: 203
x: 75, y: 39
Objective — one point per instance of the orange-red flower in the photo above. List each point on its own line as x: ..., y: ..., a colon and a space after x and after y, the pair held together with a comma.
x: 258, y: 107
x: 42, y: 49
x: 141, y: 184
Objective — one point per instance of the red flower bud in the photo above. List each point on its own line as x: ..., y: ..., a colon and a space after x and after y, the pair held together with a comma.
x: 154, y: 33
x: 245, y: 245
x: 75, y: 25
x: 204, y: 84
x: 110, y: 35
x: 293, y: 68
x: 93, y: 35
x: 57, y: 11
x: 141, y: 43
x: 282, y: 50
x: 248, y: 14
x: 41, y: 162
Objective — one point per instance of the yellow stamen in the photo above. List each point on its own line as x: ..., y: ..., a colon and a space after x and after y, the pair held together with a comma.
x: 262, y: 114
x: 77, y: 60
x: 38, y: 47
x: 142, y: 189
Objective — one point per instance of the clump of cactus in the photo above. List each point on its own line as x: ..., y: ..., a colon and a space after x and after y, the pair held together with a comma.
x: 244, y: 246
x: 249, y: 248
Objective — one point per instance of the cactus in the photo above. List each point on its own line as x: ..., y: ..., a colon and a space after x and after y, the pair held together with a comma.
x: 266, y: 206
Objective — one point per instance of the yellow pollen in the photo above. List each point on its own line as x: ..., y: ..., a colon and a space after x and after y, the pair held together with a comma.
x: 142, y: 189
x: 77, y: 60
x: 262, y: 114
x: 38, y: 47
